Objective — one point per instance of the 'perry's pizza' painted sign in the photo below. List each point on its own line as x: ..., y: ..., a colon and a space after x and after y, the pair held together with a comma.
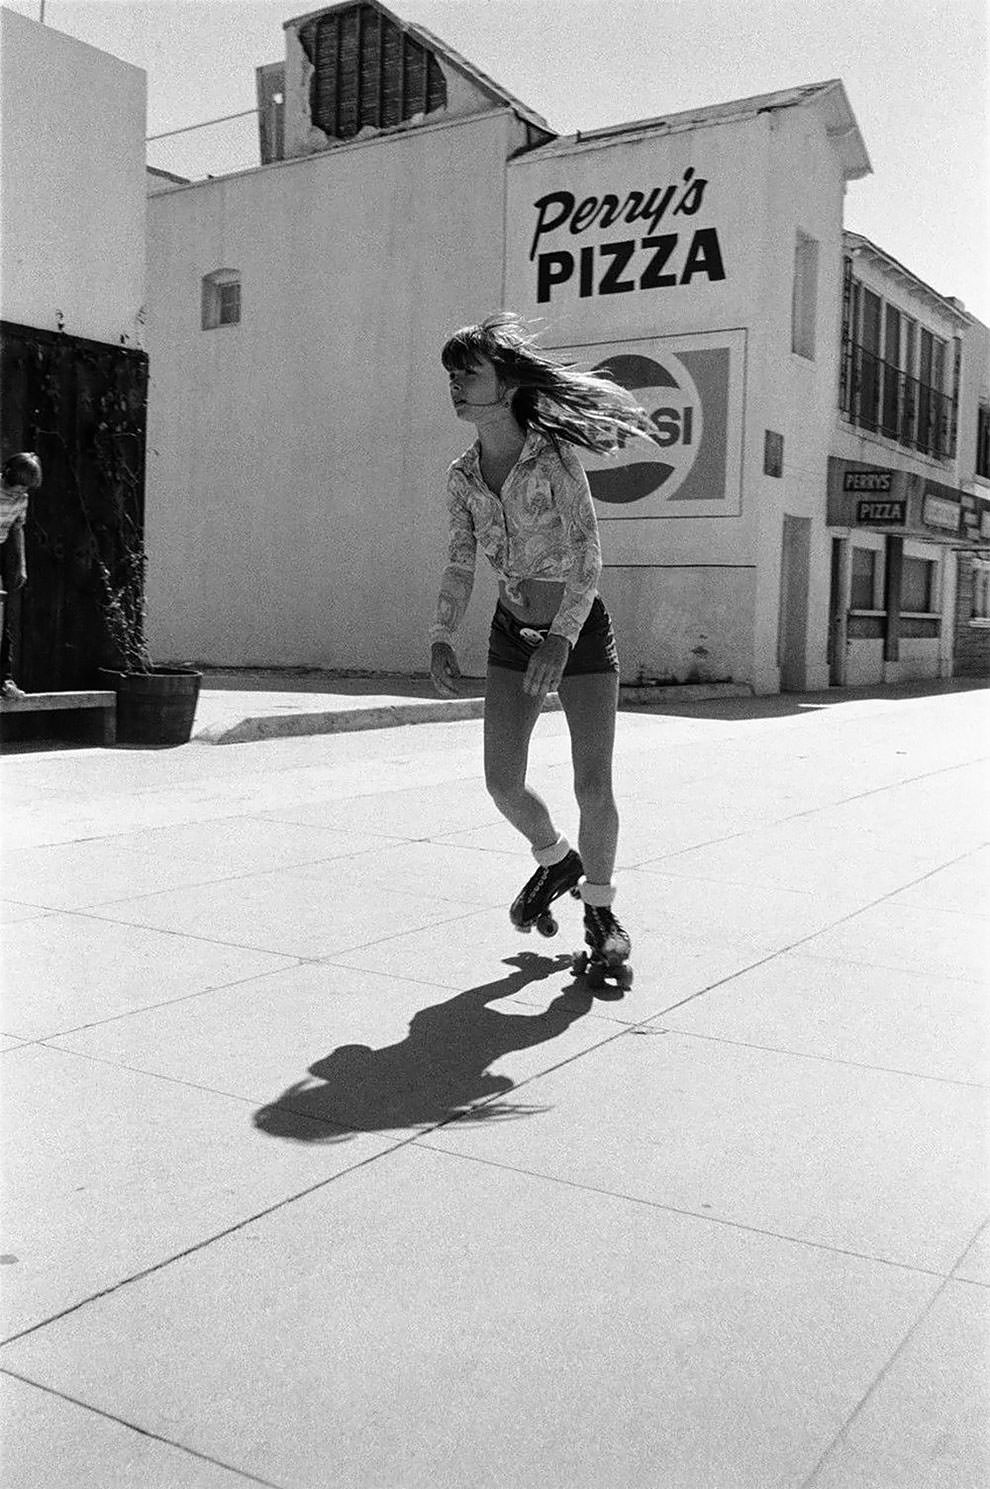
x: 651, y: 249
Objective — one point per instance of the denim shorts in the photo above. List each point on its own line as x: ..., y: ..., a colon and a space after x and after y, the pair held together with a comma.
x: 511, y: 642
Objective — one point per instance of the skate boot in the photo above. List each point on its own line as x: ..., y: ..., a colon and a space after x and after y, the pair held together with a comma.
x: 607, y: 957
x: 559, y: 871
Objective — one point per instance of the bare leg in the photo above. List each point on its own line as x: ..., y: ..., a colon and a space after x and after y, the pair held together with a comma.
x: 510, y: 716
x: 590, y: 702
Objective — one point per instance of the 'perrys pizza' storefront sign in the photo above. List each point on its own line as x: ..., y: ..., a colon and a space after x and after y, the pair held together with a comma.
x: 885, y: 498
x: 653, y: 243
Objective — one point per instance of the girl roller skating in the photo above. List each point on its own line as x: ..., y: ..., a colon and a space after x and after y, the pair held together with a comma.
x: 521, y: 493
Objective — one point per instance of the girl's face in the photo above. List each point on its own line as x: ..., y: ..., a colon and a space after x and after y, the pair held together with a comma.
x: 477, y: 390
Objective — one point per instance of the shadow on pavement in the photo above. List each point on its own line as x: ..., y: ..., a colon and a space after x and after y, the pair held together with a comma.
x: 436, y: 1073
x: 788, y: 705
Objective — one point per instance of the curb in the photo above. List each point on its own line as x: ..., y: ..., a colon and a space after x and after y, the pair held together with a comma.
x: 435, y: 711
x: 341, y: 721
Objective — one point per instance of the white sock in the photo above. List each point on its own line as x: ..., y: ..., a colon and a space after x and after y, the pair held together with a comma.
x: 599, y: 895
x: 547, y: 857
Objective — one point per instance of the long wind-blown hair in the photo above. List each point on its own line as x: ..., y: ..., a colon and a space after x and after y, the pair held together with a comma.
x: 562, y: 399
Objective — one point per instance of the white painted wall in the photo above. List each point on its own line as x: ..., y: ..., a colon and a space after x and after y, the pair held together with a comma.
x: 72, y: 184
x: 792, y: 394
x: 296, y: 495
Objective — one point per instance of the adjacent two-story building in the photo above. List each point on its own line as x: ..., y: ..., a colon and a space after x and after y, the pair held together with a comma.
x: 905, y: 508
x: 299, y: 427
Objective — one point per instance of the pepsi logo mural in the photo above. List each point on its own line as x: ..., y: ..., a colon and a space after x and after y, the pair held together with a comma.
x: 669, y: 395
x: 691, y: 386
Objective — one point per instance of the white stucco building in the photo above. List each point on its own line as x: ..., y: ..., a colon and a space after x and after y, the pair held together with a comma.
x: 74, y: 372
x: 706, y: 248
x: 299, y: 426
x: 71, y: 185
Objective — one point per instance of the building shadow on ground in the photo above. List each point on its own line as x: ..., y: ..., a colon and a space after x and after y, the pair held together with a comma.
x: 441, y: 1069
x: 787, y: 705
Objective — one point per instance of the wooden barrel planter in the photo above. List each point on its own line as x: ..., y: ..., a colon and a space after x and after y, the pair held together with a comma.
x: 156, y: 707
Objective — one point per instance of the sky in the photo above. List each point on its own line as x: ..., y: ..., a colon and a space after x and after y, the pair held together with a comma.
x: 915, y: 71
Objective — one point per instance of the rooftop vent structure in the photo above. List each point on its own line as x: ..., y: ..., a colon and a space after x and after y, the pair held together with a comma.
x: 355, y: 70
x: 366, y: 72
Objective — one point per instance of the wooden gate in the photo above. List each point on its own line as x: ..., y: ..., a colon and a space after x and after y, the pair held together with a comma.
x: 81, y: 406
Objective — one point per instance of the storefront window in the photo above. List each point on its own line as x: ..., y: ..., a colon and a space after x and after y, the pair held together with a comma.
x: 983, y: 442
x: 981, y: 591
x: 918, y: 586
x: 863, y: 585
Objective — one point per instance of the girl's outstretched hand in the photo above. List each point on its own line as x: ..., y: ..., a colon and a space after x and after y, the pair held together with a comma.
x: 444, y: 671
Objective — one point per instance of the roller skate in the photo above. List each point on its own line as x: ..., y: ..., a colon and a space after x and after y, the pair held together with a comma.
x: 607, y: 957
x: 559, y: 872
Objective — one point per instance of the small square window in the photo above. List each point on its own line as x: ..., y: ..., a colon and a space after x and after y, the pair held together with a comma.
x: 221, y: 299
x: 773, y: 453
x: 230, y: 304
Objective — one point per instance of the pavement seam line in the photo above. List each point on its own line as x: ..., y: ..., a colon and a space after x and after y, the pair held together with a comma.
x: 128, y: 1013
x: 257, y: 1103
x: 776, y: 1049
x: 174, y: 1080
x: 108, y: 1416
x: 649, y: 1204
x: 813, y: 935
x: 220, y: 1235
x: 224, y: 878
x: 916, y: 971
x: 895, y: 1355
x: 842, y: 801
x: 301, y: 957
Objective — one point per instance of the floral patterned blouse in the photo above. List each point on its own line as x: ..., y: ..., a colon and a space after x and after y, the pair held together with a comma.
x: 542, y: 525
x: 13, y: 510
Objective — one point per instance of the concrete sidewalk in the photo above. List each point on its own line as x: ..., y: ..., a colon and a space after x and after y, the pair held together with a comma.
x: 318, y: 1175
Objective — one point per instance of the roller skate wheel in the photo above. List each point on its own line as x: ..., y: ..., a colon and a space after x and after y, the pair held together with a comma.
x: 546, y: 925
x: 580, y: 964
x: 624, y: 977
x: 596, y: 977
